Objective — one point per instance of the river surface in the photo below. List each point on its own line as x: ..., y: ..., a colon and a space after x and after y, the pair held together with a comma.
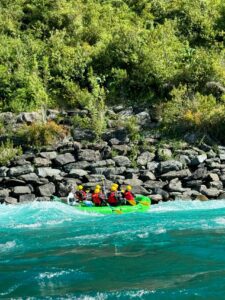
x: 174, y: 251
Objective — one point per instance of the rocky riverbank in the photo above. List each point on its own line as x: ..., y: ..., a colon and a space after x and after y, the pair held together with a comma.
x: 161, y: 171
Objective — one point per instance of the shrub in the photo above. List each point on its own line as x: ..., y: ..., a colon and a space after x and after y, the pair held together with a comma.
x: 8, y: 152
x: 194, y: 112
x: 40, y: 134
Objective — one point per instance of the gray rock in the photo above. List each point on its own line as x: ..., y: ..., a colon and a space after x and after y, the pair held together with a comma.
x: 147, y: 175
x: 97, y: 178
x: 120, y: 134
x: 114, y: 171
x: 32, y: 177
x: 210, y: 193
x: 89, y: 155
x: 185, y: 159
x: 175, y: 185
x: 42, y: 162
x: 200, y: 173
x: 176, y: 174
x: 47, y: 189
x: 4, y: 193
x: 120, y: 149
x: 133, y: 182
x: 17, y: 171
x: 78, y: 173
x: 3, y: 171
x: 152, y: 166
x: 11, y: 200
x: 83, y: 135
x: 128, y: 112
x: 19, y: 161
x: 43, y: 199
x: 26, y: 198
x: 145, y: 158
x: 48, y: 172
x: 216, y: 184
x: 198, y: 160
x: 154, y: 184
x: 103, y: 163
x: 156, y: 198
x: 222, y: 156
x: 29, y: 117
x: 213, y: 177
x: 122, y: 161
x: 76, y: 165
x: 49, y: 155
x: 64, y: 159
x: 20, y: 190
x: 138, y: 189
x: 161, y: 192
x: 194, y: 183
x: 169, y: 165
x: 143, y: 119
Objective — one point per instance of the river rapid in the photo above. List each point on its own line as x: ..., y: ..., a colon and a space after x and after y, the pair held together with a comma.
x: 174, y: 251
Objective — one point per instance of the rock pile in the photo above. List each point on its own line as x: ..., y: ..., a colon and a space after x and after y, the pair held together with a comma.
x: 163, y: 173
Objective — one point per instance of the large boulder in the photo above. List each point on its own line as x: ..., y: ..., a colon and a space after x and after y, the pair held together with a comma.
x: 83, y: 135
x: 120, y: 134
x: 200, y: 173
x: 133, y: 182
x: 169, y: 165
x: 164, y: 154
x: 64, y: 159
x: 11, y: 200
x: 26, y: 198
x: 178, y: 174
x: 122, y: 161
x: 89, y: 155
x: 143, y: 119
x: 77, y: 165
x: 46, y: 189
x: 154, y: 184
x: 152, y: 166
x: 78, y: 173
x: 145, y: 158
x: 20, y: 170
x: 49, y: 155
x: 31, y: 177
x: 103, y: 163
x: 42, y: 162
x: 20, y: 190
x: 210, y: 193
x: 175, y: 185
x: 29, y: 117
x: 48, y: 172
x: 158, y: 191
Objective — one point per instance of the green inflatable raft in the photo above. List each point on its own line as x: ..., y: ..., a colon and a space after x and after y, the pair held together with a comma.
x: 143, y: 205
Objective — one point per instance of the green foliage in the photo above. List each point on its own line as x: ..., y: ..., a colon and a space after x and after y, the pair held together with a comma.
x: 90, y: 53
x: 41, y: 134
x: 194, y: 112
x: 8, y: 152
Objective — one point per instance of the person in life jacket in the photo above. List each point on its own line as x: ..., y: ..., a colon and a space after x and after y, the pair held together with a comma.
x: 80, y: 194
x: 129, y: 196
x: 97, y: 197
x: 113, y: 198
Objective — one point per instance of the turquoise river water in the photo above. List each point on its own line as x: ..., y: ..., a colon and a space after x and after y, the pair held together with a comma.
x: 174, y: 251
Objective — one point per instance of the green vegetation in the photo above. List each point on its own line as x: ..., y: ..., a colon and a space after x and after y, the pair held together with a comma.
x: 41, y: 134
x: 8, y: 152
x: 92, y: 53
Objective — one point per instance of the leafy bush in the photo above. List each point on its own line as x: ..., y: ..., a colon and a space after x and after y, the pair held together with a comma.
x: 41, y: 134
x: 194, y: 112
x: 8, y: 152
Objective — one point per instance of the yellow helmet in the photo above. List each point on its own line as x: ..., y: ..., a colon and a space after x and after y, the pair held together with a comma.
x: 122, y: 191
x: 128, y: 188
x: 80, y: 187
x: 115, y: 185
x: 113, y: 188
x: 96, y: 190
x: 98, y: 186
